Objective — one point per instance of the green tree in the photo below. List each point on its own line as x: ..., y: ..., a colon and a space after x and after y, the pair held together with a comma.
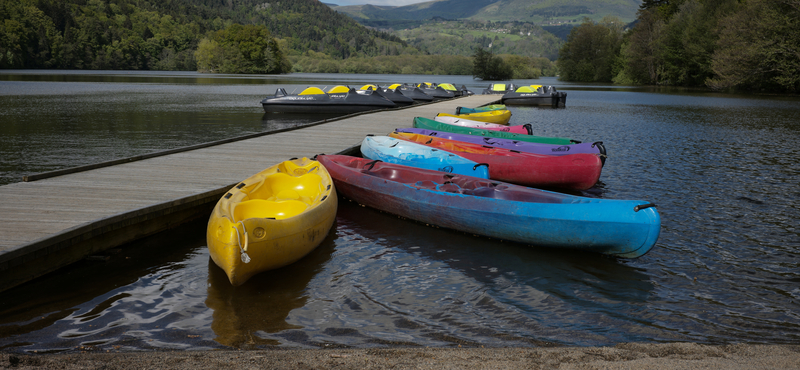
x: 591, y: 51
x: 241, y: 49
x: 488, y: 66
x: 759, y: 47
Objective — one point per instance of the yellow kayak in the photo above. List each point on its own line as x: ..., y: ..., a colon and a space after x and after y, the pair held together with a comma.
x: 495, y: 116
x: 271, y: 219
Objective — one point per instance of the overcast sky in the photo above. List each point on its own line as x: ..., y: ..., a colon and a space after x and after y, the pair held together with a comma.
x: 374, y: 2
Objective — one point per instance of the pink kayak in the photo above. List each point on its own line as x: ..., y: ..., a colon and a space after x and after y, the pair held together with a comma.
x: 524, y: 129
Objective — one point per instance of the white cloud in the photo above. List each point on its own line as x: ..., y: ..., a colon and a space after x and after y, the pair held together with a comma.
x: 374, y: 2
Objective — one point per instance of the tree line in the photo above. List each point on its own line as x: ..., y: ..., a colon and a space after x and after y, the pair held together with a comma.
x: 720, y: 44
x: 235, y: 36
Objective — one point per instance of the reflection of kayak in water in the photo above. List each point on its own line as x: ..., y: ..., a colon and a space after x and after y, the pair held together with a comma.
x: 271, y: 219
x: 339, y: 99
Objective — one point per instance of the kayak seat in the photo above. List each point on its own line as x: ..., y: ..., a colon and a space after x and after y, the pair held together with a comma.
x: 260, y: 208
x: 280, y: 187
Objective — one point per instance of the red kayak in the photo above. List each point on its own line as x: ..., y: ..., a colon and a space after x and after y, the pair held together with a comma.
x: 573, y: 171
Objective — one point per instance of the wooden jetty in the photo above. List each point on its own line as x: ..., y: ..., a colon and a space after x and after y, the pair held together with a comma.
x: 57, y: 218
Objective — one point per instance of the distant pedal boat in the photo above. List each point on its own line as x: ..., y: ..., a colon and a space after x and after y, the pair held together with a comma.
x: 436, y: 91
x: 412, y: 92
x: 535, y: 95
x: 396, y: 96
x: 620, y: 228
x: 339, y: 99
x: 271, y: 219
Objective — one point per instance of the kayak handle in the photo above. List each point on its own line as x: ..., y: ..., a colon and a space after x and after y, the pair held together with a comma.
x: 395, y: 144
x: 372, y: 164
x: 596, y: 143
x: 528, y: 128
x: 575, y: 141
x: 242, y: 251
x: 478, y: 165
x: 643, y: 206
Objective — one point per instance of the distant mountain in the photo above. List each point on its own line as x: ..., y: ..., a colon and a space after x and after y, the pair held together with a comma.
x: 534, y: 11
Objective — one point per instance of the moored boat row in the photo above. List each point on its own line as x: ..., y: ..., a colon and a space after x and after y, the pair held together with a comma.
x: 345, y: 99
x: 467, y: 175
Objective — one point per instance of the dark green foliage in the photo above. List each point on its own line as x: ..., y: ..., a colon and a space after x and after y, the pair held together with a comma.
x: 761, y: 54
x: 591, y: 51
x: 723, y: 44
x: 135, y: 34
x: 487, y: 66
x: 241, y: 49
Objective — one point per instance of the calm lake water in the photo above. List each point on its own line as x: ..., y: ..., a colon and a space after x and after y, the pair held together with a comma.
x: 724, y: 171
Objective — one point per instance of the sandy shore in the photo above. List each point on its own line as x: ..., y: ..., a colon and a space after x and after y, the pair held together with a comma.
x: 622, y: 356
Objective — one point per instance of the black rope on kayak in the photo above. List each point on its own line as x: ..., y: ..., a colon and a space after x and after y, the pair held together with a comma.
x: 643, y: 206
x: 574, y: 141
x: 478, y: 165
x: 317, y: 155
x: 395, y: 144
x: 429, y: 141
x: 597, y: 143
x: 372, y: 164
x: 528, y: 128
x: 293, y: 158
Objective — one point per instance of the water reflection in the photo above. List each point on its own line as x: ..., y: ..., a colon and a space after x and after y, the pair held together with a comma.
x: 262, y: 304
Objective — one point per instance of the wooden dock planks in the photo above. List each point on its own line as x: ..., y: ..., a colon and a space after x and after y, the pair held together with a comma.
x: 52, y: 222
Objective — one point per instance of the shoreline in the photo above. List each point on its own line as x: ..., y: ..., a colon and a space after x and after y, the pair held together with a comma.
x: 621, y: 356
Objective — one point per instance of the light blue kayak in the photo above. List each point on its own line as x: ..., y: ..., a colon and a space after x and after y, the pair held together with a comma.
x: 391, y: 150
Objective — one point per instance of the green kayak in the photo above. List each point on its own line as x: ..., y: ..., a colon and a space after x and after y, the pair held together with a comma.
x: 429, y: 124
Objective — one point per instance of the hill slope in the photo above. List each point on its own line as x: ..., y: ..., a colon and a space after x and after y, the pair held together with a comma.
x: 536, y: 11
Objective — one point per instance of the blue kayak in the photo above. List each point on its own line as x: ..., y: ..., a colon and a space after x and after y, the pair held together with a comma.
x: 620, y: 228
x: 389, y: 149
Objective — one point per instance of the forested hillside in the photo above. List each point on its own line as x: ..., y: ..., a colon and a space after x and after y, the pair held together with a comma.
x: 722, y: 44
x: 164, y: 34
x: 463, y: 37
x: 540, y: 12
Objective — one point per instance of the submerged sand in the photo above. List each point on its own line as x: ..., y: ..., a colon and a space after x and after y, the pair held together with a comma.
x: 622, y: 356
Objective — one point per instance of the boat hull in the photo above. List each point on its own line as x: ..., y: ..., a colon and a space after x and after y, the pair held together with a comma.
x: 455, y: 121
x: 485, y: 108
x: 429, y: 124
x: 573, y: 172
x: 522, y: 146
x: 261, y: 225
x: 621, y: 228
x: 347, y: 102
x: 394, y: 150
x: 500, y: 117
